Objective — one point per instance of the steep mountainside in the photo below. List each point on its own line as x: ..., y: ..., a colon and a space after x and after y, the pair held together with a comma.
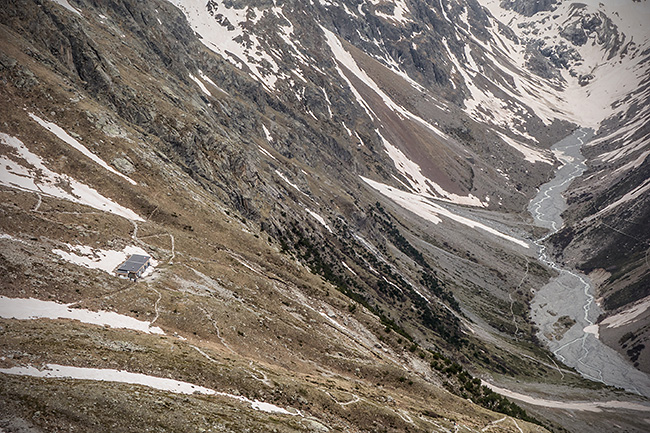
x: 334, y: 195
x: 606, y: 232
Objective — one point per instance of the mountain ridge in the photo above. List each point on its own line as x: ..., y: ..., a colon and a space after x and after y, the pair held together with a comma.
x: 251, y: 181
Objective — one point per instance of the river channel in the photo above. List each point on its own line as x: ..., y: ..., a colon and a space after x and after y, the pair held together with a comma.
x: 571, y: 293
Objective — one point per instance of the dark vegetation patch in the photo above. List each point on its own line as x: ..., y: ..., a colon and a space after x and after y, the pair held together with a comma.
x: 384, y: 292
x: 462, y: 383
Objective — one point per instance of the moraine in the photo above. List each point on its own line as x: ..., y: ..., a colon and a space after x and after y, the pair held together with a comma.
x: 571, y: 293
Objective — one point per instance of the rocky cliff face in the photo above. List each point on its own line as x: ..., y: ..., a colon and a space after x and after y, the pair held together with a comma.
x: 529, y: 8
x: 334, y: 193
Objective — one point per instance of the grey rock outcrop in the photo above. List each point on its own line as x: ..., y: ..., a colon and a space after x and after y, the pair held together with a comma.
x: 123, y: 165
x: 528, y: 7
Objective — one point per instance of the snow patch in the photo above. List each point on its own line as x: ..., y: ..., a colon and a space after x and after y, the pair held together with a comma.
x: 10, y: 238
x: 31, y: 309
x: 26, y: 170
x: 425, y: 208
x: 567, y: 99
x: 400, y: 10
x: 422, y: 184
x: 208, y: 80
x: 201, y: 85
x: 94, y: 258
x: 56, y: 371
x: 629, y: 315
x: 266, y: 152
x: 67, y: 5
x: 284, y: 178
x: 342, y: 56
x: 222, y: 30
x: 630, y: 196
x: 591, y: 329
x: 319, y: 218
x: 267, y: 134
x: 531, y: 155
x: 345, y: 265
x: 59, y: 132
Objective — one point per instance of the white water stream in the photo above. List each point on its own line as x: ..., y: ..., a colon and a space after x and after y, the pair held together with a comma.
x: 571, y: 293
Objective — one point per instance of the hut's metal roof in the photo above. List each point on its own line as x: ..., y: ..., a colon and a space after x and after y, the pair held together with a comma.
x: 133, y: 263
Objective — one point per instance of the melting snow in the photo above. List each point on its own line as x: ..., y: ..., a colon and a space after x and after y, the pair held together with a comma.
x: 59, y: 132
x: 31, y: 174
x: 31, y: 309
x: 530, y: 154
x: 636, y: 163
x: 201, y: 85
x: 208, y: 80
x: 632, y: 195
x: 286, y: 33
x: 591, y: 329
x: 343, y: 57
x: 120, y: 376
x: 422, y: 184
x: 427, y: 209
x: 484, y: 106
x: 410, y: 169
x: 587, y: 105
x: 319, y: 218
x: 361, y: 143
x: 222, y: 31
x: 629, y: 315
x: 266, y: 152
x: 348, y: 268
x: 625, y: 133
x: 399, y: 12
x: 267, y: 134
x: 94, y: 258
x: 67, y: 5
x: 284, y: 178
x: 11, y: 238
x: 329, y: 104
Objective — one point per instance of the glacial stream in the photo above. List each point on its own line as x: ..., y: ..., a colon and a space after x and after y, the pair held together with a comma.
x: 571, y: 293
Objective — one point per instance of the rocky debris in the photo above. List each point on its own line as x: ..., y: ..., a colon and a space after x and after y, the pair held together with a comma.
x: 7, y: 62
x: 123, y: 164
x: 21, y: 76
x: 544, y: 65
x: 575, y: 33
x: 560, y: 327
x: 18, y: 425
x: 107, y: 125
x: 560, y: 56
x: 529, y: 7
x: 315, y: 425
x: 583, y: 80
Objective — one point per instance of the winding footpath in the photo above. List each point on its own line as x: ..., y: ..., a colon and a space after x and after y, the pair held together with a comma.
x: 571, y: 293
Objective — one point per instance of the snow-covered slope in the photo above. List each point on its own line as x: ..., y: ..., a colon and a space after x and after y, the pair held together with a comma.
x: 596, y: 50
x: 516, y: 74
